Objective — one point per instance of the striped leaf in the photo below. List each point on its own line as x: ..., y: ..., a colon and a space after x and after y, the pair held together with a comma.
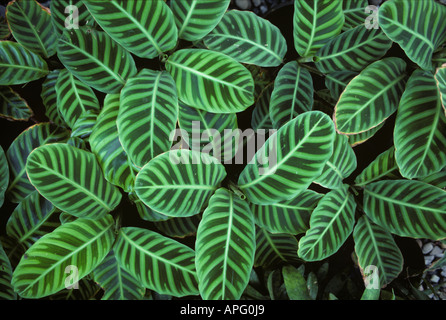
x: 248, y: 38
x: 145, y: 28
x: 105, y: 144
x: 440, y: 77
x: 314, y: 23
x: 49, y: 98
x: 418, y: 27
x: 437, y: 179
x: 12, y: 106
x: 382, y: 167
x: 179, y: 227
x: 6, y: 289
x: 420, y: 128
x: 159, y: 263
x: 340, y: 165
x: 290, y: 216
x: 31, y: 26
x: 276, y: 174
x: 331, y: 223
x: 19, y: 150
x: 260, y: 117
x: 69, y: 14
x: 167, y: 180
x: 376, y: 248
x: 117, y: 283
x: 70, y: 252
x: 4, y: 175
x: 225, y: 247
x: 359, y: 138
x: 196, y: 18
x: 31, y: 219
x: 212, y: 133
x: 83, y: 126
x: 19, y: 65
x: 74, y: 98
x: 144, y: 211
x: 148, y: 114
x: 352, y: 50
x: 371, y: 97
x: 408, y: 208
x: 211, y: 81
x: 72, y: 180
x: 337, y: 81
x: 273, y: 249
x: 95, y: 59
x: 4, y: 29
x: 292, y: 94
x: 355, y: 13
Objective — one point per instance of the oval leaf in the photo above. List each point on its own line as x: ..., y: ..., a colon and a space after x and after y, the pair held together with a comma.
x: 75, y: 247
x: 225, y: 247
x: 276, y: 174
x: 211, y: 81
x: 72, y: 180
x: 169, y: 178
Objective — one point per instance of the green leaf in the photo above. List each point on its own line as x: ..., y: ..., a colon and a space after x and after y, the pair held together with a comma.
x: 418, y: 27
x: 72, y: 180
x: 376, y: 249
x: 105, y: 144
x: 352, y: 50
x: 74, y: 98
x: 4, y: 175
x: 6, y: 289
x: 196, y: 18
x: 437, y: 179
x: 371, y: 97
x: 248, y: 38
x: 145, y: 28
x: 407, y: 208
x: 31, y: 26
x: 67, y: 254
x: 225, y: 247
x: 337, y: 81
x: 340, y: 165
x: 31, y: 219
x: 148, y: 114
x: 19, y: 150
x: 95, y: 59
x: 179, y: 227
x: 355, y: 13
x: 12, y: 106
x: 359, y: 138
x: 179, y: 174
x: 295, y: 283
x: 440, y: 77
x: 211, y: 81
x: 49, y: 98
x: 159, y: 263
x: 331, y: 223
x: 19, y: 65
x: 382, y: 167
x: 315, y: 22
x: 83, y: 126
x: 260, y: 118
x: 118, y: 284
x: 216, y: 134
x: 290, y: 216
x: 273, y: 249
x: 276, y: 174
x: 69, y: 14
x: 292, y: 94
x: 420, y: 128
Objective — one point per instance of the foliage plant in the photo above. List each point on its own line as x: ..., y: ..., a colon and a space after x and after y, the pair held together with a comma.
x: 138, y: 96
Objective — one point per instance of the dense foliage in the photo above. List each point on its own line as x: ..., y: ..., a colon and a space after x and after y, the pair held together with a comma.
x: 145, y: 102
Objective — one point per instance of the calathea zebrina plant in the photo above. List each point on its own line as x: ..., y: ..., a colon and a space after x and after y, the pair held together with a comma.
x: 144, y: 102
